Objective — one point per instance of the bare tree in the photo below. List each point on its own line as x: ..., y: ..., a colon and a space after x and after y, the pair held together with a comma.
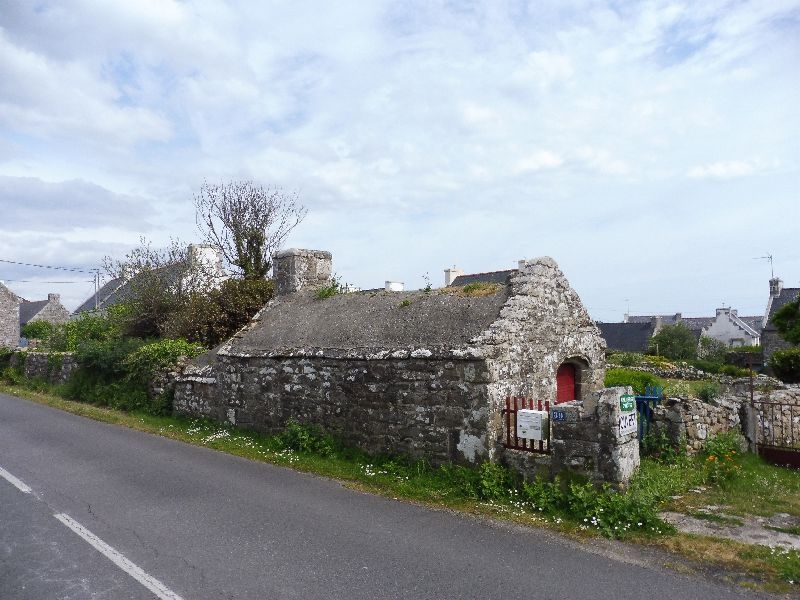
x: 247, y: 222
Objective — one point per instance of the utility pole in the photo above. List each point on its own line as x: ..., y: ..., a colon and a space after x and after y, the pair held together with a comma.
x: 96, y: 287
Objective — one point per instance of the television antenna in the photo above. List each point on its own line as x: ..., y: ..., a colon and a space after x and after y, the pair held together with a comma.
x: 769, y: 258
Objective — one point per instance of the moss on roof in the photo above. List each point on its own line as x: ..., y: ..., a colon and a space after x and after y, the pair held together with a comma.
x: 372, y: 321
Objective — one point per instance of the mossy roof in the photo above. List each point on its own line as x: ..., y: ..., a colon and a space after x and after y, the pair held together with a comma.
x: 368, y: 322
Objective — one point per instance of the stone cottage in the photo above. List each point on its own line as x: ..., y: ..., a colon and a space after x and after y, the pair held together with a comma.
x: 50, y: 310
x: 420, y: 373
x: 9, y: 318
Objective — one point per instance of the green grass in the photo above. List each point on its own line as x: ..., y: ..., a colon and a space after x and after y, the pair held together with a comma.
x: 686, y: 484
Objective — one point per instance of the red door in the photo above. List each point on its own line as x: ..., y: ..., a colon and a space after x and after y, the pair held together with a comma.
x: 565, y: 383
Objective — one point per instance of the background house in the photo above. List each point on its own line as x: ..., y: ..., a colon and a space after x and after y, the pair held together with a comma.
x: 779, y: 296
x: 201, y: 258
x: 726, y: 326
x: 50, y: 310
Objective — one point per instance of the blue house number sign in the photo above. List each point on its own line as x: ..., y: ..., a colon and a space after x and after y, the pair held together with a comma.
x: 559, y: 415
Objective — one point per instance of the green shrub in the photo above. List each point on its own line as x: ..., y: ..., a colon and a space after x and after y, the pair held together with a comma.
x: 89, y: 327
x: 711, y: 349
x: 625, y: 359
x: 11, y: 375
x: 674, y: 341
x: 495, y: 481
x: 657, y: 445
x: 39, y: 330
x: 708, y: 392
x: 307, y: 439
x: 722, y: 454
x: 212, y: 317
x: 333, y: 287
x: 786, y: 365
x: 638, y: 380
x: 147, y: 360
x: 734, y: 371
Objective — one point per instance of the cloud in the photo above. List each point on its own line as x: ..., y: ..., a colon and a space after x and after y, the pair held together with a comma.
x: 36, y: 205
x: 727, y: 169
x: 475, y: 130
x: 538, y: 161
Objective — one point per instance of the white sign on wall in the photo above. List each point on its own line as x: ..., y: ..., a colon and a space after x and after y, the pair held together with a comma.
x: 627, y: 417
x: 533, y: 424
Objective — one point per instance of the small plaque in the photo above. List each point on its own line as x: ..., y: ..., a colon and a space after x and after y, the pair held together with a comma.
x: 559, y: 415
x: 627, y: 420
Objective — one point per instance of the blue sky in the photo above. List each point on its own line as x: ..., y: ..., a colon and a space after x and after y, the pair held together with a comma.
x: 650, y: 148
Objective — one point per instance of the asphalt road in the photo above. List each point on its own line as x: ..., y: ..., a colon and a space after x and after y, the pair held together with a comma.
x: 113, y: 514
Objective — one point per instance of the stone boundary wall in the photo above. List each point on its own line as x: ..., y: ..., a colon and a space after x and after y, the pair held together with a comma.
x: 53, y: 367
x: 423, y: 408
x: 586, y: 443
x: 694, y: 421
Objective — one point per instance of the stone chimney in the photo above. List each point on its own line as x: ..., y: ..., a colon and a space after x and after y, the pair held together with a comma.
x: 207, y: 258
x: 451, y: 274
x: 54, y: 297
x: 775, y: 287
x: 295, y: 269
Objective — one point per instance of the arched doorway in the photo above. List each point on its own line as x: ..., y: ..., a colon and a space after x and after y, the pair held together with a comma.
x: 565, y: 383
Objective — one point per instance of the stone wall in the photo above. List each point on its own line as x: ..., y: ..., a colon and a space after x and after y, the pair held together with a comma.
x: 9, y: 318
x: 55, y: 367
x: 693, y: 421
x: 436, y: 409
x: 586, y: 443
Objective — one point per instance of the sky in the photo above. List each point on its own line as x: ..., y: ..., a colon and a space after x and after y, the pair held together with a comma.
x: 651, y: 148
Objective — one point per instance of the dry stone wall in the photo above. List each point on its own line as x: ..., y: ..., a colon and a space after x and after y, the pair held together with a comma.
x: 53, y: 367
x: 437, y: 409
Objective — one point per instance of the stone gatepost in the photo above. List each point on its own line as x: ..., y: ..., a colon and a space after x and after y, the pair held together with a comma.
x: 595, y: 438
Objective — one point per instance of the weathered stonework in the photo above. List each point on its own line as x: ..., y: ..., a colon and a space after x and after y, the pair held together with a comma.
x: 9, y: 318
x: 420, y: 373
x: 52, y: 367
x: 295, y: 269
x: 692, y: 421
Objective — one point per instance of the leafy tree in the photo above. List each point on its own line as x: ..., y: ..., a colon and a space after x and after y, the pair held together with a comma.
x: 786, y: 365
x: 787, y: 321
x: 212, y: 317
x: 712, y: 349
x: 674, y: 341
x: 247, y: 222
x: 38, y: 330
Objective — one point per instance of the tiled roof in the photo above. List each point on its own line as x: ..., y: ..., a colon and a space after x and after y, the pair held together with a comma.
x: 108, y: 295
x: 787, y: 295
x: 693, y: 323
x: 491, y: 277
x: 29, y: 309
x: 626, y: 337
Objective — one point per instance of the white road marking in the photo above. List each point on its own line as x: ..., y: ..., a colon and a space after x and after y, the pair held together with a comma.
x: 22, y: 487
x: 151, y: 583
